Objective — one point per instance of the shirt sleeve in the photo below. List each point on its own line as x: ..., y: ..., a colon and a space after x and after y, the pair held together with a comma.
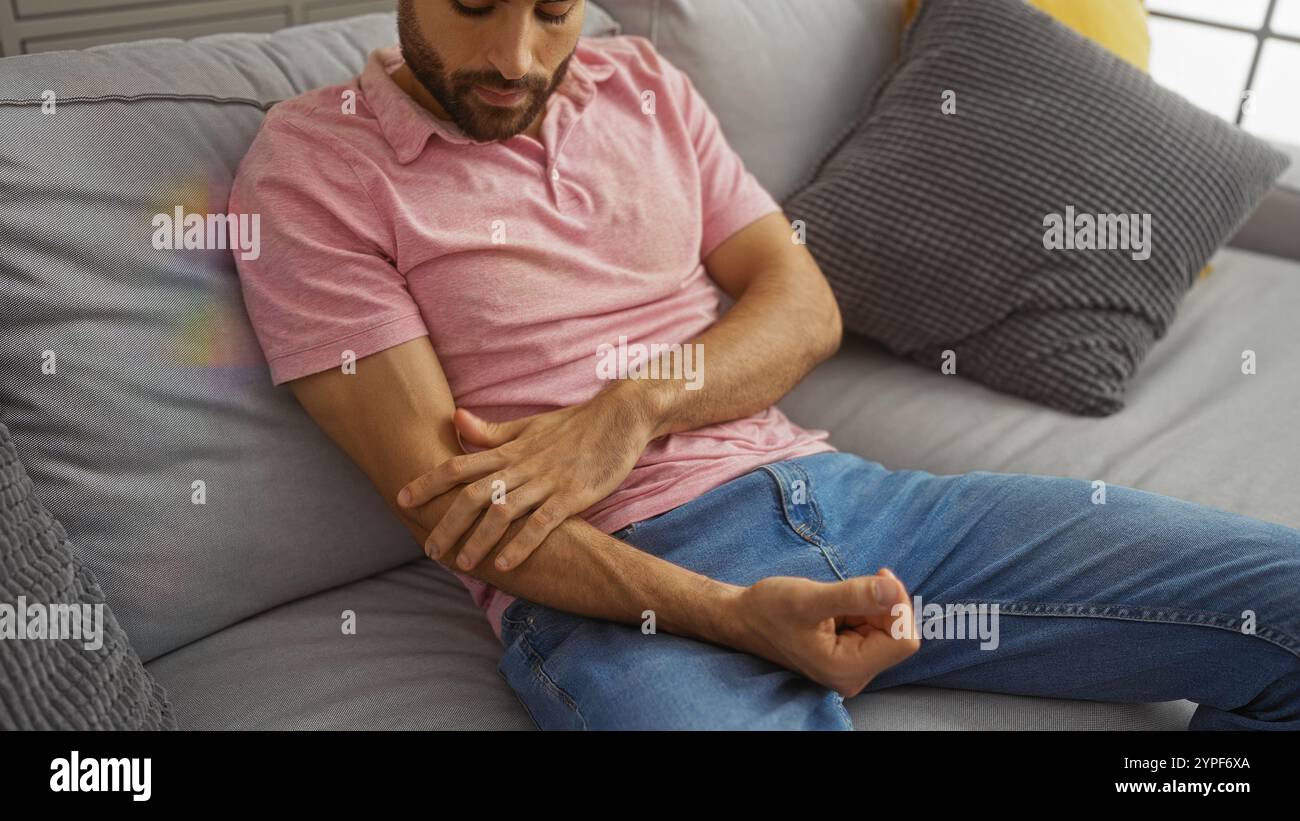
x: 322, y: 282
x: 732, y: 198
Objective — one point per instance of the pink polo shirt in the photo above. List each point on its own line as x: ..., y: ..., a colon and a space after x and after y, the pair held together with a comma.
x: 381, y: 223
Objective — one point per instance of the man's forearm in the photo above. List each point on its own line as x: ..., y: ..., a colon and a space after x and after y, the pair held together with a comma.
x: 776, y: 333
x: 581, y: 570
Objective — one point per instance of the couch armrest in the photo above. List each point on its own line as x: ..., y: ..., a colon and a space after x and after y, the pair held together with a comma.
x: 1274, y: 228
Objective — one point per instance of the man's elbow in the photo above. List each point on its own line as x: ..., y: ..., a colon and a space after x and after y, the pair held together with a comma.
x: 834, y: 329
x: 823, y: 313
x: 826, y: 326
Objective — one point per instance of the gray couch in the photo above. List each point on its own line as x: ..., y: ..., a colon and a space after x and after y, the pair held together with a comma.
x: 232, y: 537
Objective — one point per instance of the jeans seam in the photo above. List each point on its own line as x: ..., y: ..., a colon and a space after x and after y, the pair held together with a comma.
x: 808, y: 534
x: 535, y: 662
x: 1153, y: 615
x: 520, y: 699
x: 815, y: 527
x: 828, y: 550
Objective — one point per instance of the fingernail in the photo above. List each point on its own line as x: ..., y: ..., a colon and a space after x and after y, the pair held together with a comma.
x: 885, y: 591
x: 502, y: 563
x: 463, y: 561
x: 404, y: 498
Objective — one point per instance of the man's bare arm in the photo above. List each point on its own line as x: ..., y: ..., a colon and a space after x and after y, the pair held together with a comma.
x: 393, y: 418
x: 785, y: 322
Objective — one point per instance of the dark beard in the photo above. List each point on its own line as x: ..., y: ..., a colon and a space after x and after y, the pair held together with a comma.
x: 478, y: 120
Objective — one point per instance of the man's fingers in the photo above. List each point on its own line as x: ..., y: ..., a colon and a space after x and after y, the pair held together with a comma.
x: 496, y: 521
x: 458, y: 470
x: 870, y: 606
x: 866, y: 597
x: 484, y: 434
x: 873, y: 652
x: 545, y: 519
x: 898, y: 606
x: 882, y: 603
x: 472, y: 499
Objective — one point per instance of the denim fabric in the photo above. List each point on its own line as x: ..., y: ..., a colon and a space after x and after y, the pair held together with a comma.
x: 1142, y: 598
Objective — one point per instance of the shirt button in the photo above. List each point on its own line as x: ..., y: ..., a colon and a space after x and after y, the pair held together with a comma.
x: 555, y: 175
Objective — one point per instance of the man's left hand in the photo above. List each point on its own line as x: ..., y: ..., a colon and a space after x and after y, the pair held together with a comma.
x: 554, y: 464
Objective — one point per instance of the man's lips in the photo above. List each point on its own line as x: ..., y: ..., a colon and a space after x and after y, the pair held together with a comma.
x: 499, y: 98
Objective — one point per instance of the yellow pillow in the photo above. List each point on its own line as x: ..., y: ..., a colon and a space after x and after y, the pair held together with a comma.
x: 1119, y: 25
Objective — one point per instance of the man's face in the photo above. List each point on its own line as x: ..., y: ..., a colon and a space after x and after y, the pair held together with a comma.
x: 490, y: 64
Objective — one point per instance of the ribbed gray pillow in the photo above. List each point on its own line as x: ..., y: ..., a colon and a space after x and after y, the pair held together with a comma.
x: 931, y: 225
x: 94, y: 681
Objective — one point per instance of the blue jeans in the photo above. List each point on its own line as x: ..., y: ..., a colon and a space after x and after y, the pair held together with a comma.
x: 1142, y: 598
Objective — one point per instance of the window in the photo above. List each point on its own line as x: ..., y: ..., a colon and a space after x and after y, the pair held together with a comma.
x: 1239, y: 59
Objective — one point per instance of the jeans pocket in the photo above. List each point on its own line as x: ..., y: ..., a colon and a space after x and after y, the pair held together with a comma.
x: 542, y: 626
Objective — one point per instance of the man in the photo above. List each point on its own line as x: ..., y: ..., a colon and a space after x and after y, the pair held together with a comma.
x: 456, y: 240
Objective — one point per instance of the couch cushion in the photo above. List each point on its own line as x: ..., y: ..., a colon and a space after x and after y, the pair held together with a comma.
x: 423, y: 658
x: 1195, y: 427
x: 931, y: 708
x: 784, y: 77
x: 598, y: 22
x: 158, y: 382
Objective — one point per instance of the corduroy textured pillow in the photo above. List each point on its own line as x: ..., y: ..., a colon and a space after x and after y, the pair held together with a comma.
x: 65, y: 663
x: 931, y: 217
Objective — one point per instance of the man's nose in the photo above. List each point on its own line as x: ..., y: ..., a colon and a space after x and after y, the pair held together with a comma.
x: 511, y: 51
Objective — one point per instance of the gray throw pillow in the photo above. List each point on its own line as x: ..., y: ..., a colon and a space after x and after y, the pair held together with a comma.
x: 940, y: 219
x: 65, y: 663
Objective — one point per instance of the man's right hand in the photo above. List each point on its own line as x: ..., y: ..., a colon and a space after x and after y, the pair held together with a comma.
x: 837, y: 634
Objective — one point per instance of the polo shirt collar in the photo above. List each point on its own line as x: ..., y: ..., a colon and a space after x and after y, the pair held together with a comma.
x: 407, y: 125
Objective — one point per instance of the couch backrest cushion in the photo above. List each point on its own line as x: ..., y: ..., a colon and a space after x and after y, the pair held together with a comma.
x: 153, y: 381
x: 785, y: 77
x: 129, y: 376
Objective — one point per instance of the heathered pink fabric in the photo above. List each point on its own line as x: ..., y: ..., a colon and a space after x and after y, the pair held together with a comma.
x: 518, y: 258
